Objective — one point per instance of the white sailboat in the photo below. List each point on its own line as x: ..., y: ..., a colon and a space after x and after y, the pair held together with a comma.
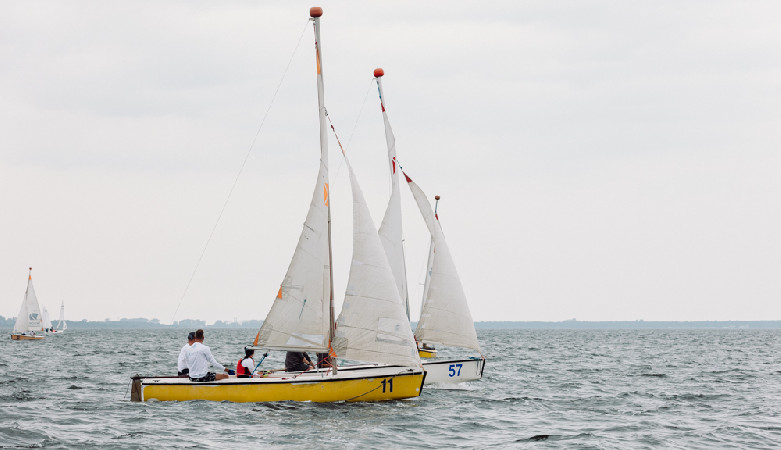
x: 29, y: 321
x: 62, y: 325
x: 45, y: 321
x: 445, y: 318
x: 372, y: 325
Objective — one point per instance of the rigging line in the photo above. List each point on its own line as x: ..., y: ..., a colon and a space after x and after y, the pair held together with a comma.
x: 241, y: 169
x: 355, y: 126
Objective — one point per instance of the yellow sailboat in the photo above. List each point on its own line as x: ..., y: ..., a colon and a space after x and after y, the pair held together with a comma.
x: 371, y: 328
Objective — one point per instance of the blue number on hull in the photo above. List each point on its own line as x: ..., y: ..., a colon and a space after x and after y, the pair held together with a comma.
x: 452, y: 370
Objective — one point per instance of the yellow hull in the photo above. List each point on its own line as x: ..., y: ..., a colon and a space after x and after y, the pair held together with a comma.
x: 24, y: 337
x: 427, y: 353
x: 370, y: 386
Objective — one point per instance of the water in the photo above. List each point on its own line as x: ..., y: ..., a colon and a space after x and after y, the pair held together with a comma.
x: 541, y: 389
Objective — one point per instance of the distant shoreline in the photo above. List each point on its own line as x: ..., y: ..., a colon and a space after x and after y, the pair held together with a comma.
x: 483, y: 325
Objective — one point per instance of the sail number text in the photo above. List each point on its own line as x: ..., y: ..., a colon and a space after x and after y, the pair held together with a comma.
x: 387, y: 384
x: 452, y: 372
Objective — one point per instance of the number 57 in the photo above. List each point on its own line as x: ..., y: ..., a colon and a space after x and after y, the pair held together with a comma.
x: 452, y: 370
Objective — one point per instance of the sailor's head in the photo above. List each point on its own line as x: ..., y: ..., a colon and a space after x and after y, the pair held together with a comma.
x: 191, y: 337
x: 199, y: 334
x: 248, y: 352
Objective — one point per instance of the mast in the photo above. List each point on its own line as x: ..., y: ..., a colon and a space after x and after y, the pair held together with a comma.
x: 391, y: 227
x: 315, y: 13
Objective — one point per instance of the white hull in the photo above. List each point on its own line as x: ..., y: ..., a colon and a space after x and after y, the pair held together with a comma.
x: 453, y: 370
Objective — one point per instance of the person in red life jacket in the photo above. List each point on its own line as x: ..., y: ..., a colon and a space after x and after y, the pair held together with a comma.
x: 245, y: 368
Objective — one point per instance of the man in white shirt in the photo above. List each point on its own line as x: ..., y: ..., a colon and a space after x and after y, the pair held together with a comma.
x: 182, y: 364
x: 198, y: 359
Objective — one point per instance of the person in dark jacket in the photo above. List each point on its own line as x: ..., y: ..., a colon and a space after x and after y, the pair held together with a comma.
x: 297, y: 362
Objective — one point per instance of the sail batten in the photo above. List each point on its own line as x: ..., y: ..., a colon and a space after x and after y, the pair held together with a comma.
x: 445, y: 318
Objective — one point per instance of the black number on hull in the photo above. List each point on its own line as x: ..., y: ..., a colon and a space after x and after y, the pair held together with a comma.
x: 387, y: 384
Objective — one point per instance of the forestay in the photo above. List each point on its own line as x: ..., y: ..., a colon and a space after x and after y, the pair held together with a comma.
x: 372, y: 325
x: 445, y: 317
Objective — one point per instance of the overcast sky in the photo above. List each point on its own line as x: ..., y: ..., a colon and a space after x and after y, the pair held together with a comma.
x: 596, y: 160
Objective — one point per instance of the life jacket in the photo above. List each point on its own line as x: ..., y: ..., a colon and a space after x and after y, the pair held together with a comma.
x: 240, y: 369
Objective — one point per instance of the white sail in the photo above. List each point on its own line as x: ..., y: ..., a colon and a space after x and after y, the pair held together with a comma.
x: 62, y: 325
x: 29, y: 318
x: 300, y: 317
x: 427, y: 281
x: 391, y: 227
x: 46, y: 322
x: 445, y: 318
x: 372, y: 325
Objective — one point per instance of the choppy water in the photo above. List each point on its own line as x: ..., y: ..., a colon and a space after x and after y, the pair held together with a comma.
x: 541, y: 389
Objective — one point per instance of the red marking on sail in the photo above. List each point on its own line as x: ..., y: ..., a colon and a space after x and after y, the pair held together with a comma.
x: 383, y: 107
x: 257, y: 336
x: 409, y: 180
x: 394, y: 165
x: 279, y: 294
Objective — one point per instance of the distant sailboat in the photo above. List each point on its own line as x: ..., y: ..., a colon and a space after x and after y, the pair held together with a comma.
x: 445, y: 317
x: 45, y: 321
x: 29, y: 321
x: 62, y: 325
x: 372, y: 326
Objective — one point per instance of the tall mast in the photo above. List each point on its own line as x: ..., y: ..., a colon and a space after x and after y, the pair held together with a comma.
x: 391, y: 227
x: 315, y: 13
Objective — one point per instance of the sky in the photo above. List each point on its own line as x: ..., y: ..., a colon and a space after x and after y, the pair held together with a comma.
x: 596, y: 160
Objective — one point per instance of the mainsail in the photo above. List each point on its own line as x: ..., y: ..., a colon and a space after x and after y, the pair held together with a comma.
x: 445, y: 317
x: 372, y: 325
x: 391, y: 228
x: 29, y: 317
x: 301, y: 315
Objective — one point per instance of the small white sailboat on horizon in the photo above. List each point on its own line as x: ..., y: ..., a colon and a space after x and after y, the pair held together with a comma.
x: 29, y: 321
x: 62, y: 325
x: 372, y: 326
x: 445, y: 318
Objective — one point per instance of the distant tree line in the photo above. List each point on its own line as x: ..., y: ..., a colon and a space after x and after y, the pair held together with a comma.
x: 572, y: 324
x: 144, y: 323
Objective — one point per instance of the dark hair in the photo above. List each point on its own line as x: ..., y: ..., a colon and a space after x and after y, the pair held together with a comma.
x: 248, y: 352
x: 191, y: 336
x: 199, y: 333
